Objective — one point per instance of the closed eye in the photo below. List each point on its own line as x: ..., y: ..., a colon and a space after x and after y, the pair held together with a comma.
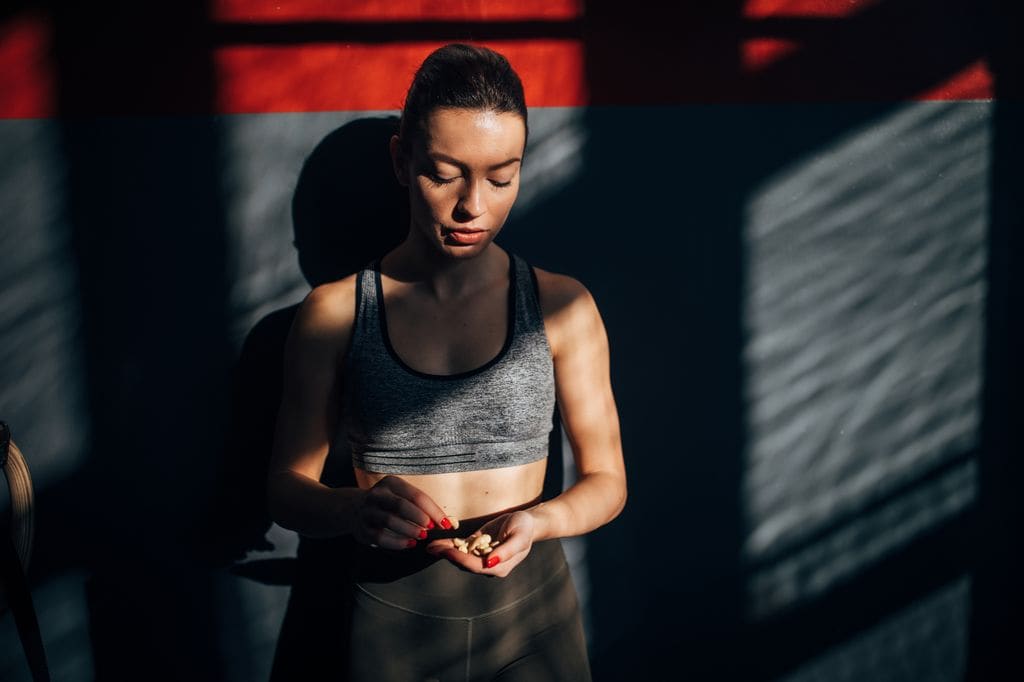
x: 439, y: 180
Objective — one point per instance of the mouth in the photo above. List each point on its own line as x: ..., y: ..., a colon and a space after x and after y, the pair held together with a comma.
x: 463, y: 235
x: 463, y: 230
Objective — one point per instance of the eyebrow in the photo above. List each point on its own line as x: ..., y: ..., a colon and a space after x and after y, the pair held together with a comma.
x: 455, y: 162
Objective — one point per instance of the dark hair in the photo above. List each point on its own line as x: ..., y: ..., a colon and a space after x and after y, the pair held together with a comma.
x: 459, y: 76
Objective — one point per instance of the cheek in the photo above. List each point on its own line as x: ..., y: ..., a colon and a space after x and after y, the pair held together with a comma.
x: 503, y: 204
x: 429, y: 199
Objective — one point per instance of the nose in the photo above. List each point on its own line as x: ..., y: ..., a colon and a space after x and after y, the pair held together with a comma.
x: 471, y: 201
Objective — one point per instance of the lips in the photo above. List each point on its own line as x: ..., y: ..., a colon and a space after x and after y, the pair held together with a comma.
x: 463, y: 230
x: 465, y: 236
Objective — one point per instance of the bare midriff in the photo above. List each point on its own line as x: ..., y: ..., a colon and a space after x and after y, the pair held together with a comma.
x: 475, y: 494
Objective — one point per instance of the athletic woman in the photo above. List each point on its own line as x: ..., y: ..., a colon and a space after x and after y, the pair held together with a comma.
x: 442, y: 364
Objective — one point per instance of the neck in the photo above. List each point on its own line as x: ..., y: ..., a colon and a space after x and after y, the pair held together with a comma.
x: 442, y: 275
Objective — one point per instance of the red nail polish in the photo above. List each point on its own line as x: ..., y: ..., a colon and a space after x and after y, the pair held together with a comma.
x: 430, y: 524
x: 423, y: 535
x: 492, y: 561
x: 446, y: 524
x: 410, y: 543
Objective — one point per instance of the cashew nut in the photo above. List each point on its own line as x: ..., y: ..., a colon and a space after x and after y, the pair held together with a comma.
x: 482, y: 540
x: 478, y: 545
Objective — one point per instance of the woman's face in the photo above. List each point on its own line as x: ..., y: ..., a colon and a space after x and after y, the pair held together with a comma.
x: 463, y: 178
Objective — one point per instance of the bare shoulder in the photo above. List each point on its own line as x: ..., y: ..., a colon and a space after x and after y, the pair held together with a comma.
x: 327, y: 313
x: 570, y: 311
x: 558, y: 291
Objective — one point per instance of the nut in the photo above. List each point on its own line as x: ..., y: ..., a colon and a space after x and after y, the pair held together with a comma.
x: 477, y: 545
x: 482, y: 540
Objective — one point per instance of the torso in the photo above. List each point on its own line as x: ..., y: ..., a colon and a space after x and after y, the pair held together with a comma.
x: 452, y: 337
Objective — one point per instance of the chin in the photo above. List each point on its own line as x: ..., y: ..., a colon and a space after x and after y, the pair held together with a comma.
x: 462, y: 252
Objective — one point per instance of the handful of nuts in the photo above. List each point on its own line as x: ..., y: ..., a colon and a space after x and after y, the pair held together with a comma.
x: 477, y: 545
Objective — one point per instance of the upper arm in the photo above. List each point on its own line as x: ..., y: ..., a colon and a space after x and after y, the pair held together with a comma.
x: 579, y: 348
x: 309, y: 409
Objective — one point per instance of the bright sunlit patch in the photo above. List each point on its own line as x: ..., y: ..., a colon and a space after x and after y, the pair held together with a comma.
x: 368, y: 77
x: 762, y: 51
x: 759, y: 53
x: 973, y: 82
x: 42, y: 360
x: 393, y: 10
x: 27, y: 80
x: 864, y: 314
x: 554, y: 154
x: 759, y: 9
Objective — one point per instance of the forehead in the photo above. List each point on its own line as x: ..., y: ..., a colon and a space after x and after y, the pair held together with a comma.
x: 472, y: 135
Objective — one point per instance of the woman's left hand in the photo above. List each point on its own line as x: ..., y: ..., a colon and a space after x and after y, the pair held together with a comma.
x: 514, y: 534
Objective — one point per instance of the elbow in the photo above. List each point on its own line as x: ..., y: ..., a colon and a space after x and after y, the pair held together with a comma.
x: 277, y: 482
x: 619, y: 496
x: 621, y: 505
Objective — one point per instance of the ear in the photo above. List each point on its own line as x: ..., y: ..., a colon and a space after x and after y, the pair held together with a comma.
x: 398, y: 161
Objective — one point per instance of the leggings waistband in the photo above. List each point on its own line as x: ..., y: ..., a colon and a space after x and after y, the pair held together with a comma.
x: 420, y: 583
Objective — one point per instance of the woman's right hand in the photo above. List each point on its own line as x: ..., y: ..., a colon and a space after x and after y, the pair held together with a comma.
x: 394, y: 514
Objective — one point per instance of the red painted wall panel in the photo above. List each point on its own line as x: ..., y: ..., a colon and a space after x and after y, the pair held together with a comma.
x: 324, y: 77
x: 393, y: 10
x: 26, y: 68
x: 234, y: 56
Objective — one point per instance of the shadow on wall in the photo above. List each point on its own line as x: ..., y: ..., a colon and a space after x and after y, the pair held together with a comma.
x: 345, y: 184
x: 347, y: 210
x: 147, y: 223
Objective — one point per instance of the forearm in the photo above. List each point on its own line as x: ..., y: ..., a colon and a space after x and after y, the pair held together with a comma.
x: 309, y: 507
x: 592, y: 501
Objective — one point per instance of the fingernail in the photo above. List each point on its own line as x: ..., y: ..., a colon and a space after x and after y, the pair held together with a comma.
x: 410, y: 543
x: 423, y: 535
x: 492, y: 561
x: 430, y: 524
x: 446, y: 524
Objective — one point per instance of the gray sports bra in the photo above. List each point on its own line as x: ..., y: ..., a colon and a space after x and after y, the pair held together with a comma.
x: 401, y: 421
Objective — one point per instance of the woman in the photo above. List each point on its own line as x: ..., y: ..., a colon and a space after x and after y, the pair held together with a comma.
x: 441, y: 364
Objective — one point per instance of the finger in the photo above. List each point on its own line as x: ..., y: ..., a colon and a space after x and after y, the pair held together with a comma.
x: 475, y: 560
x: 489, y: 564
x: 501, y: 561
x: 412, y: 514
x: 376, y: 518
x: 400, y: 526
x: 467, y: 562
x: 440, y: 546
x: 386, y: 539
x: 426, y: 510
x: 506, y: 554
x: 383, y: 497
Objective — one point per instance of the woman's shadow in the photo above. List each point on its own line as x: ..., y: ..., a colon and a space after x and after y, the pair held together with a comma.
x: 347, y: 211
